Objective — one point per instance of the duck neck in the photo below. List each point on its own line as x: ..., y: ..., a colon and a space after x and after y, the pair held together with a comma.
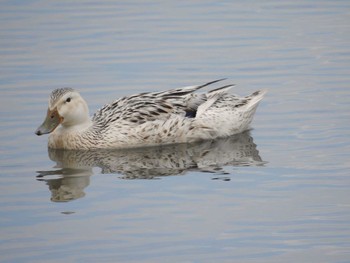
x: 78, y: 127
x: 79, y: 136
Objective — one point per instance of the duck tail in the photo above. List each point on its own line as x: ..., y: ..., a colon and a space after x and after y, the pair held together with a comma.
x: 256, y: 97
x: 212, y: 97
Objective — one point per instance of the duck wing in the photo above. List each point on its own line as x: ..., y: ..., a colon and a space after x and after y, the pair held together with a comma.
x: 150, y: 106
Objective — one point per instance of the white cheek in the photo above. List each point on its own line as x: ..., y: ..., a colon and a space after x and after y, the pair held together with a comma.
x: 73, y: 113
x: 64, y: 110
x: 78, y: 110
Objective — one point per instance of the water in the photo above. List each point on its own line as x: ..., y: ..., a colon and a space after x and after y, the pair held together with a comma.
x: 277, y: 194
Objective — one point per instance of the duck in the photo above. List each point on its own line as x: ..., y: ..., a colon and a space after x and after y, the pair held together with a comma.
x: 180, y: 115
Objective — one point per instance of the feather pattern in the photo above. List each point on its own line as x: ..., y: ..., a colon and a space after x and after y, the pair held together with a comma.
x: 179, y: 115
x: 57, y: 94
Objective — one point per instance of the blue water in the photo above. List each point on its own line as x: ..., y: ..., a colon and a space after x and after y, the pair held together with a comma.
x: 280, y: 193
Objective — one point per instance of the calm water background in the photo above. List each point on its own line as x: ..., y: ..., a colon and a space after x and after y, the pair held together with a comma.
x: 295, y: 208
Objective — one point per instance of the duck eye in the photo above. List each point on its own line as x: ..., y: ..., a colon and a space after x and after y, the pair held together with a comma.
x: 68, y: 99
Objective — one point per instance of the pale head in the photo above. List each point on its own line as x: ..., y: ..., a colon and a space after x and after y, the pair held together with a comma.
x: 66, y: 107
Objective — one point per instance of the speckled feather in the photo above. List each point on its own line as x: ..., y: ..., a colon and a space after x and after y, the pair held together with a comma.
x: 149, y: 106
x: 57, y: 94
x: 155, y: 118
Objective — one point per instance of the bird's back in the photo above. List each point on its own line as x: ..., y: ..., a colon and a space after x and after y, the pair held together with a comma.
x: 175, y: 116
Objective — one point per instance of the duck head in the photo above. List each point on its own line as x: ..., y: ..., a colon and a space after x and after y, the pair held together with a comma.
x: 66, y: 107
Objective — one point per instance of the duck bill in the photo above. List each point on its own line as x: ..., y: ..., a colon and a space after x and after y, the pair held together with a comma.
x: 53, y: 119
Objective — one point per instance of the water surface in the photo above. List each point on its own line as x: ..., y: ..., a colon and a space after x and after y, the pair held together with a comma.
x: 279, y: 193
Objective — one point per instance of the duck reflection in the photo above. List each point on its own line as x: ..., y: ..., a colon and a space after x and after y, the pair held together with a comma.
x: 69, y: 186
x: 76, y: 167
